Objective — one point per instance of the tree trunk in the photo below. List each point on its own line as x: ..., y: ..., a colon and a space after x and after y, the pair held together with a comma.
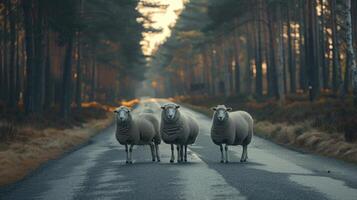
x: 39, y: 58
x: 347, y: 81
x: 292, y: 67
x: 12, y: 95
x: 29, y: 93
x: 48, y: 75
x: 79, y: 57
x: 258, y: 58
x: 273, y: 85
x: 5, y: 52
x: 280, y: 45
x: 285, y: 81
x: 18, y: 66
x: 66, y: 81
x: 249, y: 75
x: 316, y: 47
x: 236, y: 47
x: 350, y: 51
x: 324, y: 65
x: 214, y: 70
x: 302, y: 38
x: 336, y: 69
x: 311, y: 53
x: 92, y: 96
x: 79, y: 73
x: 2, y: 74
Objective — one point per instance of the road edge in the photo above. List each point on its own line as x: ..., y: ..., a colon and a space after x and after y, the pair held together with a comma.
x: 299, y: 137
x: 26, y: 163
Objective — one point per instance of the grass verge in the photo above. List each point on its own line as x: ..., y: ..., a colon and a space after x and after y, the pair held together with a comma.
x: 31, y: 145
x: 303, y: 133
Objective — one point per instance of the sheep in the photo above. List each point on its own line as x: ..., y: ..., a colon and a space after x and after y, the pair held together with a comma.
x: 142, y: 130
x: 177, y: 129
x: 231, y: 128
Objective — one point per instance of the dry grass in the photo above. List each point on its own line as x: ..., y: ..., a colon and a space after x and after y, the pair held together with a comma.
x: 302, y: 135
x: 326, y: 114
x: 31, y: 147
x: 303, y: 132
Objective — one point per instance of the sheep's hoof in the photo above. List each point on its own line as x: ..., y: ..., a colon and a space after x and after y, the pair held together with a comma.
x: 222, y: 161
x: 171, y: 161
x: 126, y: 162
x: 153, y: 160
x: 130, y: 162
x: 242, y: 160
x: 185, y: 160
x: 158, y: 160
x: 226, y: 161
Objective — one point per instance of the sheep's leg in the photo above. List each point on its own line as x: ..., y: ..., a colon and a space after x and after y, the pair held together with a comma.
x: 226, y: 149
x: 222, y: 156
x: 152, y: 148
x: 181, y: 152
x: 131, y: 153
x: 127, y: 154
x: 157, y: 152
x: 178, y: 153
x: 244, y: 154
x: 172, y: 154
x: 185, y: 153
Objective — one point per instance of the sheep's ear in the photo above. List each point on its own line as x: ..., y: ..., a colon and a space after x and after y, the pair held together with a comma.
x: 115, y: 111
x: 177, y: 106
x: 229, y: 109
x: 163, y: 107
x: 213, y: 108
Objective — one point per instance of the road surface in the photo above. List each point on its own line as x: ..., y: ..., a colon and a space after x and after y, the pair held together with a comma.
x: 97, y: 170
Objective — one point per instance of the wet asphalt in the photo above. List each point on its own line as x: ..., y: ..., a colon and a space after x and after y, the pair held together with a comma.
x: 97, y: 170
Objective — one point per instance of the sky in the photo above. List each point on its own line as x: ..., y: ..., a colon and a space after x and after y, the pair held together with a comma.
x: 164, y: 19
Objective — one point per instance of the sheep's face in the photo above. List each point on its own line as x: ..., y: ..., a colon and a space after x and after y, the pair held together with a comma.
x: 221, y: 113
x: 122, y: 114
x: 170, y: 111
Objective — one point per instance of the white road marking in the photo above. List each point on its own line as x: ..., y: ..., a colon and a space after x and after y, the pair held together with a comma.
x: 216, y: 187
x: 331, y: 188
x: 201, y: 182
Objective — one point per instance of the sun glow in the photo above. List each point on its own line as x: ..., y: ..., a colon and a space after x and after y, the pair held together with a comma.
x: 160, y: 18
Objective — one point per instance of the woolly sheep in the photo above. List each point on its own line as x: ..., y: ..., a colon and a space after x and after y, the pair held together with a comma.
x: 231, y: 128
x: 143, y: 130
x: 177, y: 129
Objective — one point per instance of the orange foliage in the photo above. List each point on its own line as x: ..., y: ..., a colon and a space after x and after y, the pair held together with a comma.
x: 130, y: 103
x: 94, y: 104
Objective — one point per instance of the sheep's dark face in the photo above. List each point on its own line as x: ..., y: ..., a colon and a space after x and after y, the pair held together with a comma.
x: 170, y: 111
x: 221, y: 113
x: 122, y: 114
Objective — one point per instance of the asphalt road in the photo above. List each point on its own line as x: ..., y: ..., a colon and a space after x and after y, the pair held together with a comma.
x: 97, y: 170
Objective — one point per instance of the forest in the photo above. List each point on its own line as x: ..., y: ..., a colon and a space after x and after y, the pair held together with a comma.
x: 77, y: 76
x: 55, y: 55
x: 262, y: 48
